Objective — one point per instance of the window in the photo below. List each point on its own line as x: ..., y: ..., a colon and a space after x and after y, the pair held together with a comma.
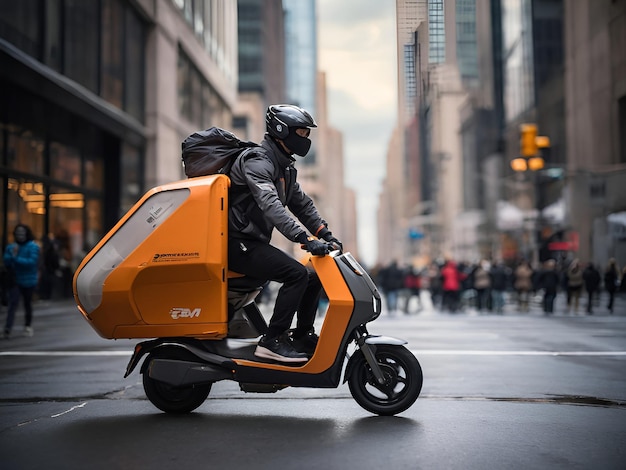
x: 81, y: 38
x: 25, y: 150
x: 197, y: 100
x: 131, y: 180
x: 135, y: 68
x: 25, y: 204
x: 52, y: 53
x: 66, y: 222
x: 94, y: 172
x: 65, y: 163
x: 19, y: 24
x: 113, y: 52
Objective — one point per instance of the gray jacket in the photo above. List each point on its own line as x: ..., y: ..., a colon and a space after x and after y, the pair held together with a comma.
x: 269, y: 176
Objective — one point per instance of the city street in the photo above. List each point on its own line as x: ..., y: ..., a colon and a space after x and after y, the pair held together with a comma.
x: 500, y: 391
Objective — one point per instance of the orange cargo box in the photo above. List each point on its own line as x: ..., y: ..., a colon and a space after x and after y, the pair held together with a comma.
x: 161, y: 271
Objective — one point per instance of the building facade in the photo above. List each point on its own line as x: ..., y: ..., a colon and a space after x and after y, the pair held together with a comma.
x: 95, y: 99
x: 595, y: 121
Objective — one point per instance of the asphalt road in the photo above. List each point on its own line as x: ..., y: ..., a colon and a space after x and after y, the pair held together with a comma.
x: 500, y: 391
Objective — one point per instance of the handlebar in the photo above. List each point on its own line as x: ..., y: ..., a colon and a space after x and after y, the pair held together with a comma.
x: 329, y: 247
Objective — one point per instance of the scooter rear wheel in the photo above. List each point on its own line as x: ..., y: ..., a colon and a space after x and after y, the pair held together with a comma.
x: 403, y: 380
x: 171, y: 399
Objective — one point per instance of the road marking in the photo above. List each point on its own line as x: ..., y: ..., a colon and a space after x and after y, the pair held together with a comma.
x: 416, y: 352
x: 69, y: 411
x: 432, y: 352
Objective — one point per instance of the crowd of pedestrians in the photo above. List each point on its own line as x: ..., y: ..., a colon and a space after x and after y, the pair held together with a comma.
x: 486, y: 286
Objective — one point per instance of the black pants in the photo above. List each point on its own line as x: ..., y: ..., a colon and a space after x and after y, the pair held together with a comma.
x: 26, y: 293
x: 300, y: 290
x: 611, y: 293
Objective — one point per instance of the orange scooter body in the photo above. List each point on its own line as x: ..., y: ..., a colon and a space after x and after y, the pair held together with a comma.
x: 161, y: 271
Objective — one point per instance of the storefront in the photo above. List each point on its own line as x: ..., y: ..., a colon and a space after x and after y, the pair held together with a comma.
x: 64, y: 176
x: 69, y: 180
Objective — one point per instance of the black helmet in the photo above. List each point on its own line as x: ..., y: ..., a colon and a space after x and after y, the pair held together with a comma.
x: 282, y: 121
x: 282, y: 117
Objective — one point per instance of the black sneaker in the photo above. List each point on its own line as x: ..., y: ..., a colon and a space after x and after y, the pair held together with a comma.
x: 279, y: 349
x: 305, y: 343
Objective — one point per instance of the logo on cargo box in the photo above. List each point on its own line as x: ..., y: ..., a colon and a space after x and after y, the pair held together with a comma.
x: 181, y: 312
x: 180, y: 256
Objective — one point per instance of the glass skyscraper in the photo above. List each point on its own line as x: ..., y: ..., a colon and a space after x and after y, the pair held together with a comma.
x: 466, y: 47
x: 436, y: 32
x: 301, y: 52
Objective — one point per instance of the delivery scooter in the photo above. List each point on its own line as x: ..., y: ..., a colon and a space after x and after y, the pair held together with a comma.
x: 161, y: 273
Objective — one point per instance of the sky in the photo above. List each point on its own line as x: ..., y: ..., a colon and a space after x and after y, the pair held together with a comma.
x: 357, y: 50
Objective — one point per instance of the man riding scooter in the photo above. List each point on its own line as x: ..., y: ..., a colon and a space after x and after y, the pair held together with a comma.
x: 263, y: 185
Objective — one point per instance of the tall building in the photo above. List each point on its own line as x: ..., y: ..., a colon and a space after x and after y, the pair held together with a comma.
x: 532, y: 62
x: 301, y: 52
x: 392, y: 224
x: 95, y: 99
x: 409, y: 15
x: 262, y: 80
x: 441, y: 209
x: 595, y: 121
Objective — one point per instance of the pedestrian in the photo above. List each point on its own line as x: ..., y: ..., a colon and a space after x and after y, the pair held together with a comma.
x: 391, y: 282
x: 611, y: 282
x: 574, y: 284
x: 264, y: 183
x: 434, y: 282
x: 500, y: 275
x: 451, y: 286
x: 412, y: 287
x: 482, y: 284
x: 21, y: 259
x: 592, y: 279
x: 523, y: 285
x: 548, y: 280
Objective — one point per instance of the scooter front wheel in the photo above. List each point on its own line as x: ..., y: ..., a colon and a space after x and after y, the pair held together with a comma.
x: 402, y: 380
x: 168, y: 398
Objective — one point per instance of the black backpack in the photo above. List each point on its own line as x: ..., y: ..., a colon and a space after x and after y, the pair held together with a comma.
x: 212, y: 151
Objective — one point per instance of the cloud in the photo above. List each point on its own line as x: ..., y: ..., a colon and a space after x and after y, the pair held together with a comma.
x: 357, y: 51
x: 357, y: 55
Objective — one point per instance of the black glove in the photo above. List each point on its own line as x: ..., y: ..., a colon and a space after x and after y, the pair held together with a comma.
x: 313, y: 245
x: 328, y: 236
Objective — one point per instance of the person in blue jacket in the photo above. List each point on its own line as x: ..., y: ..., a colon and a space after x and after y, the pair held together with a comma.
x: 21, y: 260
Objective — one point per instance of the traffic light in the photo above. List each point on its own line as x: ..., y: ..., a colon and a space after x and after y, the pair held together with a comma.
x: 535, y: 163
x: 528, y: 140
x: 519, y: 164
x: 529, y: 145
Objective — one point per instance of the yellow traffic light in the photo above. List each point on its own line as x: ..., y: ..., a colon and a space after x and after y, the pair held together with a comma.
x: 535, y: 163
x: 519, y: 164
x: 528, y: 142
x: 542, y: 141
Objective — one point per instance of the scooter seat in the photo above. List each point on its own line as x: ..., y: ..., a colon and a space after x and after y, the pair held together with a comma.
x: 243, y: 283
